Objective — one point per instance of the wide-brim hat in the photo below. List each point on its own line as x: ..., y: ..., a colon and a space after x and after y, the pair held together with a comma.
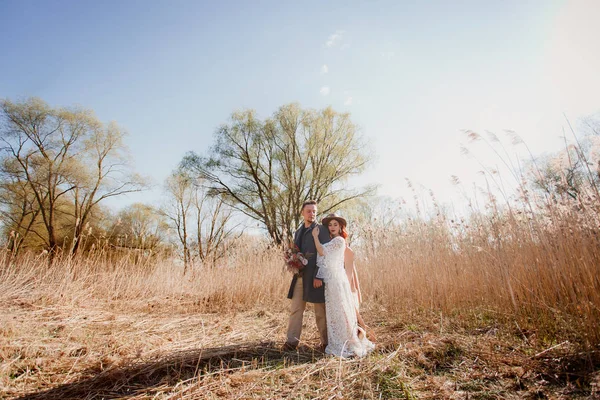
x: 330, y: 217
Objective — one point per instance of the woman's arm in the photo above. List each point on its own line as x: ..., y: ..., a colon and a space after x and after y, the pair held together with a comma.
x: 356, y: 283
x: 318, y: 245
x: 317, y: 282
x: 349, y: 266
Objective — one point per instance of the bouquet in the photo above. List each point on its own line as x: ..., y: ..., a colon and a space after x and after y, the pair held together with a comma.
x: 295, y: 261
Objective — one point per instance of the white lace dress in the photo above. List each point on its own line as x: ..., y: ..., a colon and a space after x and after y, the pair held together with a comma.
x: 342, y: 326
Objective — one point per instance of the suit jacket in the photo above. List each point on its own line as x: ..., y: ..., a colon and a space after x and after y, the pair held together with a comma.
x: 307, y: 246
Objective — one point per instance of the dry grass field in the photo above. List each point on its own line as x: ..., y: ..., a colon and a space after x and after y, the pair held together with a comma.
x: 156, y: 158
x: 504, y: 305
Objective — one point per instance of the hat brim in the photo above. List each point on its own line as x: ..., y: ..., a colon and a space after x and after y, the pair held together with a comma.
x: 327, y: 220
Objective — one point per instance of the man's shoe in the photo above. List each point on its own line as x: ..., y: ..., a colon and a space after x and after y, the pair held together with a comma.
x: 289, y: 346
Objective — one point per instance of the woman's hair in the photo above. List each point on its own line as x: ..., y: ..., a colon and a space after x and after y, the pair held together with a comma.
x: 343, y: 230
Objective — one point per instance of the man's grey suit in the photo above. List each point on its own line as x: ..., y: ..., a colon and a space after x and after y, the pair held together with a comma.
x: 307, y: 246
x: 302, y: 289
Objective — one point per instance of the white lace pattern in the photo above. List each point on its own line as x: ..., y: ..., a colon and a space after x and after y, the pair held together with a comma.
x: 342, y: 326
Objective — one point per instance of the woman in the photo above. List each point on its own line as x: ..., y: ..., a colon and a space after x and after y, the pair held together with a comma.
x: 345, y: 337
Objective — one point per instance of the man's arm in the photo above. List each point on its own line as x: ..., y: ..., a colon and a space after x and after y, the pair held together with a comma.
x: 324, y: 235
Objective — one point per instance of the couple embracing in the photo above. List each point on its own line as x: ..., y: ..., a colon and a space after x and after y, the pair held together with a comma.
x: 328, y: 281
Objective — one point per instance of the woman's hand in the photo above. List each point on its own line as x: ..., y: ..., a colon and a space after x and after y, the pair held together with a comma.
x: 315, y: 233
x: 318, y: 245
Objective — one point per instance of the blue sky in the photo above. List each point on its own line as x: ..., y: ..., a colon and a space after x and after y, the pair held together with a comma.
x: 412, y: 74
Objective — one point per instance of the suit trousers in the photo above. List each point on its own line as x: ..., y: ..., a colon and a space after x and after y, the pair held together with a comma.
x: 297, y: 312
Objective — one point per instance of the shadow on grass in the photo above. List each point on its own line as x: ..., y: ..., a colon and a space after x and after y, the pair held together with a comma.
x: 146, y: 377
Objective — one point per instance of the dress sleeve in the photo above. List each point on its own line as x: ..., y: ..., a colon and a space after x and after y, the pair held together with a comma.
x: 336, y: 245
x: 329, y: 250
x: 321, y: 270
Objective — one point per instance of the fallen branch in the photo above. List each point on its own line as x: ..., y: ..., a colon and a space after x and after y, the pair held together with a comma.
x: 550, y: 349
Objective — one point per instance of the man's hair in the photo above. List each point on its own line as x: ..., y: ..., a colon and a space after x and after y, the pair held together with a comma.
x: 308, y: 203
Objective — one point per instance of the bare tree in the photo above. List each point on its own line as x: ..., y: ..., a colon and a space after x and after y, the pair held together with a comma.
x: 17, y: 206
x: 214, y: 227
x: 189, y: 209
x: 180, y: 191
x: 140, y: 227
x: 58, y: 152
x: 267, y: 169
x: 573, y: 170
x: 107, y: 175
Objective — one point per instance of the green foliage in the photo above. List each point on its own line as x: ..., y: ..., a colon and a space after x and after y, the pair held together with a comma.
x: 389, y: 386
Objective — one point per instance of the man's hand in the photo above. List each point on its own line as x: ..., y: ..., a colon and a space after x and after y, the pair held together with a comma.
x: 315, y: 232
x: 317, y: 283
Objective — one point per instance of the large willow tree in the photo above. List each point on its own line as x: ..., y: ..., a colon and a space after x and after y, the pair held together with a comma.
x: 267, y: 168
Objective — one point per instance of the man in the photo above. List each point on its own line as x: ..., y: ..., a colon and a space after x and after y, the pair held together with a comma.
x: 305, y: 286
